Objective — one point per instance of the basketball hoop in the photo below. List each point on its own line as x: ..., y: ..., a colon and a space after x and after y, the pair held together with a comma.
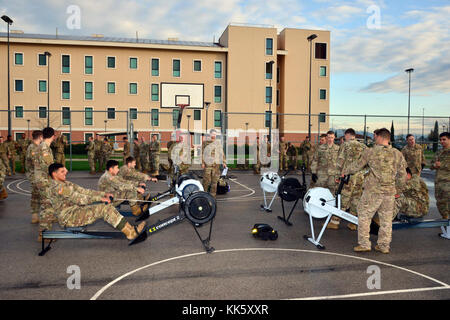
x: 181, y: 106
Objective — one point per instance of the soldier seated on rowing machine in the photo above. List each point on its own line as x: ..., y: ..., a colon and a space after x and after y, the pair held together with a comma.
x: 413, y: 201
x: 129, y: 173
x: 77, y: 207
x: 120, y: 188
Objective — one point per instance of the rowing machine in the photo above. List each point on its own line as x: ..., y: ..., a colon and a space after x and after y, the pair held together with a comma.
x: 290, y: 190
x: 269, y: 183
x: 319, y: 203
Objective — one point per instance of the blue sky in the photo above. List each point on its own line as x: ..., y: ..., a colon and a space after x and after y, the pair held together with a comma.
x: 367, y: 63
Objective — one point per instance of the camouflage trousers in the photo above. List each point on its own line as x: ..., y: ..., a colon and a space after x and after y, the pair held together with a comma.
x: 145, y: 165
x: 46, y: 219
x: 2, y: 176
x: 79, y: 216
x: 91, y: 161
x: 22, y: 162
x: 326, y: 181
x: 5, y: 160
x: 103, y: 160
x: 306, y: 161
x: 98, y: 160
x: 283, y: 162
x: 411, y: 207
x: 154, y: 163
x: 12, y: 164
x: 138, y: 163
x: 211, y: 175
x: 351, y: 194
x: 292, y: 161
x: 60, y: 158
x: 370, y: 204
x: 257, y: 167
x: 35, y: 198
x: 442, y: 194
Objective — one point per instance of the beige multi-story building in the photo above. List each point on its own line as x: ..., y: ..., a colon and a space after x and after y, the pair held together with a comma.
x: 100, y: 84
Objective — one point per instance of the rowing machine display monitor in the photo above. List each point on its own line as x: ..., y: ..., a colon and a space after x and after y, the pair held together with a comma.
x: 269, y: 183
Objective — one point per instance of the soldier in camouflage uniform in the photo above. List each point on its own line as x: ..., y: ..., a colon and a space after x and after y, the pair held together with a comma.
x: 75, y: 206
x: 414, y: 155
x: 98, y: 153
x: 112, y: 183
x: 5, y: 154
x: 413, y: 201
x: 136, y: 154
x: 29, y: 164
x: 91, y: 155
x: 3, y: 192
x: 180, y: 154
x: 441, y: 163
x: 283, y: 154
x: 323, y: 164
x: 292, y: 155
x: 349, y: 152
x: 213, y: 157
x: 305, y: 150
x: 144, y: 151
x: 387, y: 175
x: 155, y: 150
x: 129, y: 173
x: 106, y: 151
x: 13, y: 148
x: 126, y: 149
x: 42, y: 160
x: 23, y: 143
x: 59, y: 145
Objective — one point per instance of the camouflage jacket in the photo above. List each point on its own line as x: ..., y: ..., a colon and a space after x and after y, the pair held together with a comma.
x: 131, y: 174
x: 416, y: 190
x: 126, y: 149
x: 324, y: 160
x: 144, y: 149
x: 98, y: 146
x: 179, y: 153
x: 292, y: 151
x: 414, y: 158
x: 387, y: 169
x: 136, y: 150
x: 213, y: 153
x: 106, y: 149
x: 305, y: 147
x: 91, y: 148
x: 23, y: 144
x: 62, y: 196
x: 13, y: 147
x: 349, y: 152
x: 44, y: 158
x: 30, y: 159
x: 155, y: 147
x: 113, y: 184
x: 4, y: 149
x: 60, y: 143
x: 442, y: 173
x: 283, y: 148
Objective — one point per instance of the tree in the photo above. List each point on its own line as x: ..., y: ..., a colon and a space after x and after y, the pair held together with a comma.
x: 392, y: 132
x: 434, y: 136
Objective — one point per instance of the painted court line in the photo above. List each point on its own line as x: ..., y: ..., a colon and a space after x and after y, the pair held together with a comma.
x: 442, y: 284
x: 14, y: 191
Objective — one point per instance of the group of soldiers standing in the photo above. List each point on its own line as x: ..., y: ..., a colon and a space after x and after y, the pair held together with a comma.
x: 99, y: 151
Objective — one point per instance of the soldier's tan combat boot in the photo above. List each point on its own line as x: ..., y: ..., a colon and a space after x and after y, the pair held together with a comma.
x: 3, y: 194
x: 34, y: 218
x: 352, y: 226
x: 135, y: 234
x: 382, y: 250
x: 136, y: 210
x: 332, y: 225
x: 361, y: 249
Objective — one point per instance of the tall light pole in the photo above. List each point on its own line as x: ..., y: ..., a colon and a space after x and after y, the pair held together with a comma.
x: 310, y: 39
x: 106, y: 121
x: 8, y: 22
x: 47, y: 57
x: 409, y: 71
x: 28, y: 129
x: 207, y: 106
x: 423, y: 121
x: 271, y: 62
x: 189, y: 119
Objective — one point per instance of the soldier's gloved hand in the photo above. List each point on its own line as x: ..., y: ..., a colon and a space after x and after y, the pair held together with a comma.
x: 314, y: 177
x: 141, y: 190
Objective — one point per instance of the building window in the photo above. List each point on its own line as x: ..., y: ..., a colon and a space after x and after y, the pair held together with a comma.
x: 155, y: 92
x: 88, y: 116
x: 218, y: 69
x: 133, y: 114
x: 217, y: 94
x: 155, y: 117
x: 18, y: 85
x: 20, y: 136
x: 175, y: 115
x: 268, y: 94
x: 268, y: 119
x: 111, y: 87
x: 197, y: 115
x: 111, y: 62
x: 19, y: 111
x: 18, y: 59
x: 197, y: 65
x: 66, y: 90
x: 65, y: 115
x: 65, y: 63
x: 323, y: 71
x: 87, y: 136
x: 111, y: 113
x: 321, y: 50
x: 42, y: 59
x: 133, y: 63
x: 269, y: 67
x: 269, y: 46
x: 176, y: 66
x: 323, y: 94
x: 42, y: 112
x: 133, y: 88
x: 155, y: 67
x: 217, y: 118
x: 88, y: 65
x: 42, y: 85
x: 88, y: 90
x: 278, y: 75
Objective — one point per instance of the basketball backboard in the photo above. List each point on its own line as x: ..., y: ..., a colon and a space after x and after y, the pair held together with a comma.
x: 176, y: 94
